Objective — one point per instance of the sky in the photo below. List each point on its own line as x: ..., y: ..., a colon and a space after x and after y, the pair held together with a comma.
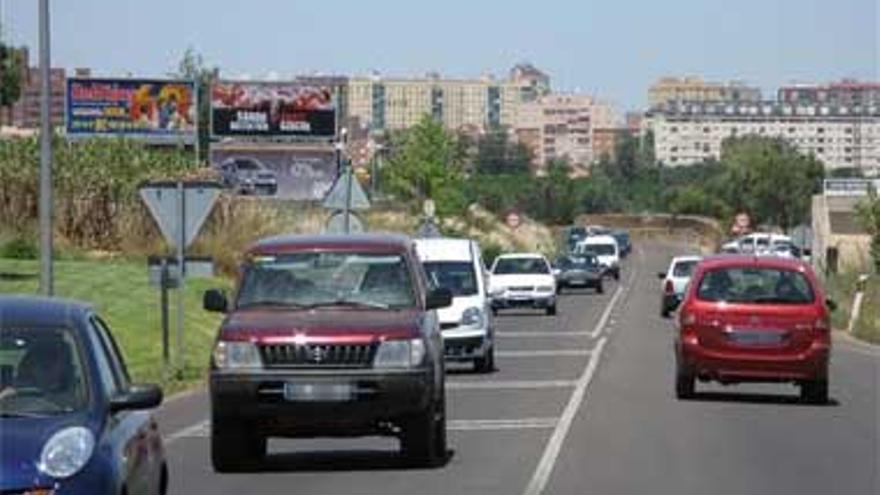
x: 613, y: 49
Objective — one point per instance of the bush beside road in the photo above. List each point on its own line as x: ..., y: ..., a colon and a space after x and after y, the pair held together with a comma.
x: 842, y: 288
x: 120, y: 292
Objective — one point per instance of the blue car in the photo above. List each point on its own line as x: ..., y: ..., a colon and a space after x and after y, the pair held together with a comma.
x: 70, y: 420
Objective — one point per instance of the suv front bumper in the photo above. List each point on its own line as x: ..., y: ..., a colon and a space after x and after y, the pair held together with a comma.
x: 376, y: 397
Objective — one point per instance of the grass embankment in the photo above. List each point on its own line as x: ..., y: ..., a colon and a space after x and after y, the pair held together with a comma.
x: 121, y: 294
x: 841, y: 288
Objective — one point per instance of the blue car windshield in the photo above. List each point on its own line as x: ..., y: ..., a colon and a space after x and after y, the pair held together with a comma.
x: 41, y: 372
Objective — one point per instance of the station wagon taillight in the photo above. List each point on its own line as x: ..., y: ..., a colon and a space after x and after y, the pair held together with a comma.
x: 670, y: 287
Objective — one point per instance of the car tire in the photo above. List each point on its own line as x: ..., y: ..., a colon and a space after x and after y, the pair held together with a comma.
x: 600, y: 288
x: 559, y: 289
x: 551, y: 310
x: 486, y: 364
x: 234, y: 447
x: 685, y: 385
x: 815, y: 392
x: 617, y: 275
x: 664, y: 311
x: 424, y: 437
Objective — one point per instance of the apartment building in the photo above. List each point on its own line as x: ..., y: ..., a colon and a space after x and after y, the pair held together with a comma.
x: 25, y: 113
x: 694, y: 89
x: 381, y: 103
x: 558, y: 126
x: 847, y: 92
x: 839, y: 136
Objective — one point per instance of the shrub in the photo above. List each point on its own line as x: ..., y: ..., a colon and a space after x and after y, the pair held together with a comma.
x: 20, y: 248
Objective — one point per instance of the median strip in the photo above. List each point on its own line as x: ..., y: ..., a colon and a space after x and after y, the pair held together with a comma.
x: 543, y: 353
x: 500, y: 424
x: 509, y: 384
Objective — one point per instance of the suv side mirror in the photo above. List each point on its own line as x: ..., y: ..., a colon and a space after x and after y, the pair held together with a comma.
x: 438, y: 298
x: 831, y: 303
x: 215, y: 300
x: 661, y: 275
x: 137, y: 397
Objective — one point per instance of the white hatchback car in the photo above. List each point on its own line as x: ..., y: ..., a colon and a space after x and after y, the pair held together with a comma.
x: 466, y: 325
x: 675, y: 280
x: 523, y: 280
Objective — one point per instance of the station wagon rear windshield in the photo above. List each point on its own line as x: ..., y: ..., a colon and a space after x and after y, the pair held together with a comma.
x: 327, y: 279
x: 755, y: 286
x: 41, y: 372
x: 457, y: 276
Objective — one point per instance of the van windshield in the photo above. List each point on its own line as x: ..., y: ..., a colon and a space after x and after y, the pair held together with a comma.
x: 457, y: 276
x: 598, y: 249
x: 755, y: 286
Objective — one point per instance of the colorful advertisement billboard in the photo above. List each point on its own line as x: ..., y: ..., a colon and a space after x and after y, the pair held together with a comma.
x: 273, y: 110
x: 149, y: 109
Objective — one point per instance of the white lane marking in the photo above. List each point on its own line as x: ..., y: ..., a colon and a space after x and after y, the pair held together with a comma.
x: 551, y: 452
x: 509, y: 384
x: 500, y: 424
x: 198, y: 430
x: 527, y: 335
x: 543, y: 353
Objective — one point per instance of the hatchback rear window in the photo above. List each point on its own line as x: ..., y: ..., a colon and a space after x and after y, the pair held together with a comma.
x: 683, y: 269
x: 755, y: 286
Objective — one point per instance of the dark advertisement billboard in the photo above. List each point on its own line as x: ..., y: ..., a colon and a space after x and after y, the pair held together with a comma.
x: 149, y: 109
x: 300, y: 174
x: 273, y: 110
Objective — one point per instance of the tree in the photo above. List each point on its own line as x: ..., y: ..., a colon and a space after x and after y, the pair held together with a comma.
x: 868, y: 213
x: 11, y: 66
x: 192, y: 67
x: 770, y: 179
x: 427, y: 162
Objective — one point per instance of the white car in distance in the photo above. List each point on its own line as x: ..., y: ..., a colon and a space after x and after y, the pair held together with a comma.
x: 522, y: 280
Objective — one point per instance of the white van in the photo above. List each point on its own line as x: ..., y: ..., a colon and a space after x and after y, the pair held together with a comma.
x: 606, y: 250
x: 466, y: 325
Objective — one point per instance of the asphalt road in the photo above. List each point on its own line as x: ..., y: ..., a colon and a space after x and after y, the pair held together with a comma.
x: 583, y: 403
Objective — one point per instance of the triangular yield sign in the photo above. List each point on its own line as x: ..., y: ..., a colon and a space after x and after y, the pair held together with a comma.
x: 335, y: 199
x: 162, y: 199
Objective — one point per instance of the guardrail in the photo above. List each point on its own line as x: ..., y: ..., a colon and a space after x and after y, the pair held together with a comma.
x: 849, y: 187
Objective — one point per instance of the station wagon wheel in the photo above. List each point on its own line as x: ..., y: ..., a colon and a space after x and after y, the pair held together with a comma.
x: 815, y: 392
x: 685, y: 385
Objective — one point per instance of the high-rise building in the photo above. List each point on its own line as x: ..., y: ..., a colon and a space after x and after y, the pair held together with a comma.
x: 847, y: 92
x: 25, y: 113
x: 558, y: 126
x: 694, y: 90
x: 380, y: 103
x: 839, y: 136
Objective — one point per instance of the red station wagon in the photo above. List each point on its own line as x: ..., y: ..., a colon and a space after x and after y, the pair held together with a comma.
x: 754, y: 319
x: 328, y: 336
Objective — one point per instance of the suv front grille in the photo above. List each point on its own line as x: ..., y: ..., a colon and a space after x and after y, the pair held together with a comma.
x: 523, y: 288
x: 317, y: 355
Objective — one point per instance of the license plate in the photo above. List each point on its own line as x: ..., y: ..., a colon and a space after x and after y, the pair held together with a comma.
x: 747, y: 337
x: 317, y: 392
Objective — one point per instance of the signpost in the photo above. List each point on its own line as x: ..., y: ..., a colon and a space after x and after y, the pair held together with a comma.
x: 345, y: 195
x: 180, y: 209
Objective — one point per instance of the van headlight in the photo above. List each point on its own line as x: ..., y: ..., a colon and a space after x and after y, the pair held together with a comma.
x: 472, y: 317
x: 400, y: 354
x: 66, y: 452
x: 237, y: 355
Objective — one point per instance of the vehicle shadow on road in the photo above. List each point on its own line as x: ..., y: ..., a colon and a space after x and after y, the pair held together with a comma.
x: 753, y: 398
x: 352, y: 460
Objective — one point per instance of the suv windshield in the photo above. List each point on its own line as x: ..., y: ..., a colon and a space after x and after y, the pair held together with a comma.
x: 40, y: 372
x: 684, y: 268
x: 578, y: 262
x: 526, y: 266
x: 316, y: 279
x: 755, y: 286
x: 457, y: 276
x: 247, y: 165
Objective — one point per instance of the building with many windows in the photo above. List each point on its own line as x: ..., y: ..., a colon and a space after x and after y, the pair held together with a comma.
x: 840, y: 136
x: 25, y: 113
x: 379, y: 103
x: 846, y: 92
x: 694, y: 89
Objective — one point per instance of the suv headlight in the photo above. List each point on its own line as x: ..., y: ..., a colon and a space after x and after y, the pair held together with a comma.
x: 237, y: 355
x: 400, y: 354
x: 472, y: 317
x: 66, y: 452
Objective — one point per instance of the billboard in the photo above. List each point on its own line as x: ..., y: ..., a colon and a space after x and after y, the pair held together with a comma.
x: 301, y: 174
x: 149, y: 109
x: 270, y: 109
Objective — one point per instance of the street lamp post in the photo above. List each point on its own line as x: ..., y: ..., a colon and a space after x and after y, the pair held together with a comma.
x: 45, y: 155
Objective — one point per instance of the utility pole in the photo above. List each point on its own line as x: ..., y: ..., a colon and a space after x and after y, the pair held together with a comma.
x: 45, y: 206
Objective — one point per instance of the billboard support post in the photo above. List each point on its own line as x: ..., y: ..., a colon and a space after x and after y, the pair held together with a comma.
x: 45, y: 208
x: 181, y: 246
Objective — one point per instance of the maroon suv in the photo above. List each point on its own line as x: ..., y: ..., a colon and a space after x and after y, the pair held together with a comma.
x: 328, y: 336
